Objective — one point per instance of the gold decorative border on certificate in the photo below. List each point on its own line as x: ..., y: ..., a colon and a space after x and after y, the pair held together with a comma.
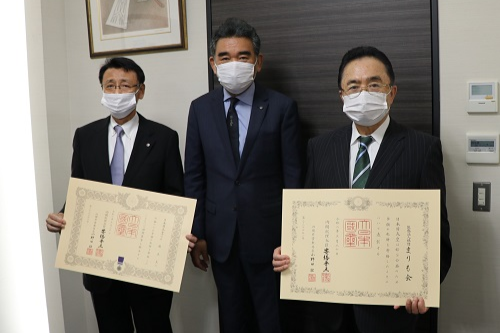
x: 356, y: 204
x: 130, y: 202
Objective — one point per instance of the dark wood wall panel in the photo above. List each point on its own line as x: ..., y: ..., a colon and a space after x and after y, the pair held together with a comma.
x: 303, y: 43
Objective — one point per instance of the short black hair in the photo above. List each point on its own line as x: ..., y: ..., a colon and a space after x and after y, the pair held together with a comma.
x: 365, y: 51
x: 122, y: 63
x: 233, y: 27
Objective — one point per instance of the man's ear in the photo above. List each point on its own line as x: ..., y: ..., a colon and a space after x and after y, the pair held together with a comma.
x: 392, y: 95
x: 141, y: 92
x: 211, y: 60
x: 258, y: 65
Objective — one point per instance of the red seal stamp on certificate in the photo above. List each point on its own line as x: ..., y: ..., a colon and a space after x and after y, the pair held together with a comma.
x: 127, y: 225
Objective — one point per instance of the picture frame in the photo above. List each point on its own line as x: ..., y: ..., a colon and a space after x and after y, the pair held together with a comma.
x: 119, y: 27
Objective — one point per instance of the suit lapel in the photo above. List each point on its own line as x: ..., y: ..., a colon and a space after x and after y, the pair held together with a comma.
x: 341, y: 155
x: 143, y: 144
x: 219, y: 116
x: 100, y: 154
x: 389, y: 152
x: 257, y: 115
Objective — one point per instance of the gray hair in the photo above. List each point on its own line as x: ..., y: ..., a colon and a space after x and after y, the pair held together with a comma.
x: 234, y: 27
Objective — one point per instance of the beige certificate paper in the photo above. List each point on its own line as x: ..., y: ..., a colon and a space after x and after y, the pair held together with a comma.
x: 125, y: 234
x: 376, y: 247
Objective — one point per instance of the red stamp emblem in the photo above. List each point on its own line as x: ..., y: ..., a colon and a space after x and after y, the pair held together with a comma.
x: 358, y: 233
x: 325, y: 277
x: 90, y: 251
x: 311, y: 278
x: 99, y: 252
x: 127, y: 225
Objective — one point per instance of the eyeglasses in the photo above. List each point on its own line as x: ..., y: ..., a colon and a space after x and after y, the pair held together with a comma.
x: 125, y: 88
x: 354, y: 90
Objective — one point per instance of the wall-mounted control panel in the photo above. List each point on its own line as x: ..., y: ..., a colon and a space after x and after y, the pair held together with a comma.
x: 483, y: 97
x: 482, y: 148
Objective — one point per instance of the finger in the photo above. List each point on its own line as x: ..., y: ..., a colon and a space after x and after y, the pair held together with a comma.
x: 408, y: 305
x: 202, y: 264
x: 414, y: 306
x: 199, y: 260
x: 195, y: 258
x: 280, y: 268
x: 281, y: 257
x: 280, y: 263
x: 191, y: 245
x: 421, y: 306
x: 59, y: 218
x: 55, y: 222
x: 191, y: 238
x: 52, y: 228
x: 205, y: 257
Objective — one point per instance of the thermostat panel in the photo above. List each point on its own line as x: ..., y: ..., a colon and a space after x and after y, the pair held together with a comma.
x: 482, y: 148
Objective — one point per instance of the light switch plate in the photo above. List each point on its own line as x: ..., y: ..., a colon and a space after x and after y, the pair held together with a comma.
x: 481, y: 196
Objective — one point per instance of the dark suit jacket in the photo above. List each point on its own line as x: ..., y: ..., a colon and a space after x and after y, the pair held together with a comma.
x: 407, y: 159
x: 250, y: 196
x: 155, y: 165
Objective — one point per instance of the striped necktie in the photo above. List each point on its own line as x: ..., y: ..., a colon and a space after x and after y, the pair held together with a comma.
x: 362, y: 165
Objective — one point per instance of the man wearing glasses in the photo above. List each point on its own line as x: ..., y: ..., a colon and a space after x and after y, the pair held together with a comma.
x: 130, y: 150
x: 395, y: 157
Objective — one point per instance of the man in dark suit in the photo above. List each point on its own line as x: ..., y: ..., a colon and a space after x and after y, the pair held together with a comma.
x: 399, y: 158
x: 242, y: 149
x: 150, y: 161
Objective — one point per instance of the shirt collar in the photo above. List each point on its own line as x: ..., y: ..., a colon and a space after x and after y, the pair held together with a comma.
x: 245, y: 97
x: 128, y: 127
x: 377, y: 136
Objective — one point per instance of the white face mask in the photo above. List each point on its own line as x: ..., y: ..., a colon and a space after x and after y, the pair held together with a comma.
x: 119, y: 105
x: 235, y: 76
x: 367, y: 109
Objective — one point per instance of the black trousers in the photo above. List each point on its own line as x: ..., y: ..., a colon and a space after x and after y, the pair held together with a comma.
x: 342, y: 318
x: 248, y: 294
x: 125, y: 306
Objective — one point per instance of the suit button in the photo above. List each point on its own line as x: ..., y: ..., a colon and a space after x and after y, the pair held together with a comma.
x: 237, y: 182
x: 235, y: 208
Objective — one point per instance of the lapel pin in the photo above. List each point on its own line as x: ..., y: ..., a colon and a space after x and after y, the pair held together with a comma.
x: 261, y: 107
x: 148, y: 144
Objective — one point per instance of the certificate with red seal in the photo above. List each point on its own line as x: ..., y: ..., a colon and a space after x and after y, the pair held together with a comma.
x: 368, y: 246
x: 125, y: 234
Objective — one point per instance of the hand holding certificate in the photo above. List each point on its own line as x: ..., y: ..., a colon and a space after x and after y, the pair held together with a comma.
x: 125, y: 234
x: 377, y: 247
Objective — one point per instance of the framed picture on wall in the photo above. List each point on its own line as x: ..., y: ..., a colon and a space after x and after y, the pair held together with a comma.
x: 117, y: 27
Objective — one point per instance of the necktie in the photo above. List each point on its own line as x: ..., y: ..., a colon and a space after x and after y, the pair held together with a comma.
x: 232, y: 127
x: 117, y: 163
x: 362, y: 165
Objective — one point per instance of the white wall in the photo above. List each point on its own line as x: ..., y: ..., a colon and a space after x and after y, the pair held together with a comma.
x: 73, y: 93
x: 28, y: 282
x: 469, y: 35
